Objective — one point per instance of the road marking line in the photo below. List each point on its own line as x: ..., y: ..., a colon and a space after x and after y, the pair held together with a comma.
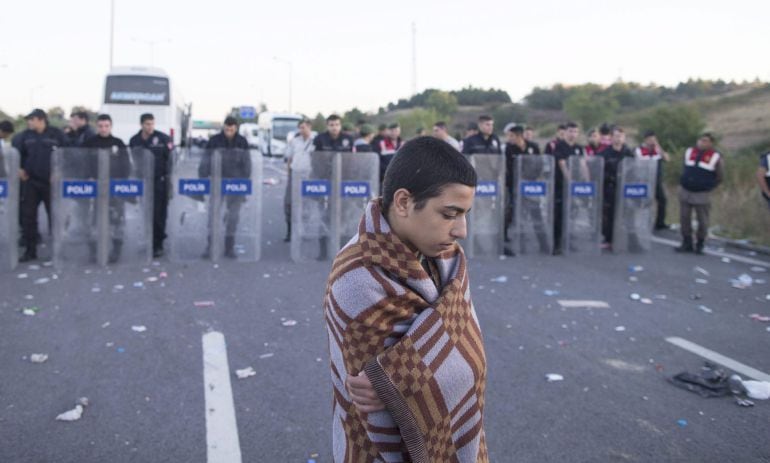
x: 716, y: 357
x: 222, y: 444
x: 735, y: 257
x: 568, y: 303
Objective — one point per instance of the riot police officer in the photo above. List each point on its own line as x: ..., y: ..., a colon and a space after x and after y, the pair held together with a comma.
x: 613, y: 155
x: 161, y: 146
x: 120, y: 167
x: 485, y: 141
x: 236, y: 163
x: 35, y: 145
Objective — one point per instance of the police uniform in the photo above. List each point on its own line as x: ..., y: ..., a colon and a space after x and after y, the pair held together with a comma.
x: 612, y: 160
x: 388, y: 149
x: 562, y: 152
x: 161, y: 146
x: 120, y: 167
x: 236, y: 163
x: 645, y: 152
x: 702, y: 173
x: 478, y: 144
x: 35, y: 150
x: 512, y: 151
x: 76, y: 138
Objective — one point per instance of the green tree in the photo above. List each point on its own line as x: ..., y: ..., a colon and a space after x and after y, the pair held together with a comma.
x: 319, y: 123
x: 675, y: 127
x: 590, y: 107
x: 419, y: 117
x: 445, y: 104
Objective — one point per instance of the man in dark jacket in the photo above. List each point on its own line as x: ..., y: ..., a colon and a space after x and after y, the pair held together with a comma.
x: 120, y: 168
x: 566, y: 147
x: 78, y: 130
x: 703, y: 172
x: 161, y: 146
x: 35, y: 146
x: 613, y: 155
x: 485, y: 141
x: 236, y: 163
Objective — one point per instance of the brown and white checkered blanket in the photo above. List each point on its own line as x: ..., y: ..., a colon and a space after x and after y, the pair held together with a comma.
x: 419, y: 343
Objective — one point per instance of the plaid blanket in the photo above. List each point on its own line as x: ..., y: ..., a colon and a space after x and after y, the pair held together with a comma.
x: 411, y: 326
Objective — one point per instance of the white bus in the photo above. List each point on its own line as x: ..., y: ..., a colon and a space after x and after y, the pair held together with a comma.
x: 132, y: 91
x: 274, y: 128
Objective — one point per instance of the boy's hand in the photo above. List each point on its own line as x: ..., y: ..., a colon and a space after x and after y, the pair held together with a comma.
x: 362, y: 394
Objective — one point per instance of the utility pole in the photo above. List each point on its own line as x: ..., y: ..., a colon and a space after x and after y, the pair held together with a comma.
x: 112, y: 31
x: 414, y: 58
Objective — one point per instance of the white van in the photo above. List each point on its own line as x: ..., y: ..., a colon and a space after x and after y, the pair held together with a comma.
x: 274, y: 129
x: 250, y: 132
x: 131, y: 91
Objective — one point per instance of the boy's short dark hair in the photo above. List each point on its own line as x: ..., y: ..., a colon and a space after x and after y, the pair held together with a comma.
x: 333, y: 117
x: 305, y: 121
x: 424, y: 166
x: 80, y: 115
x: 146, y: 117
x: 485, y: 118
x: 382, y: 127
x: 708, y: 135
x: 605, y: 129
x: 231, y: 121
x: 517, y: 129
x: 562, y: 127
x: 570, y: 125
x: 617, y: 128
x: 393, y: 125
x: 440, y: 125
x: 104, y: 117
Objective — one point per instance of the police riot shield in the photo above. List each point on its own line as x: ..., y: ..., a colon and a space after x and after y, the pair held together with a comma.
x: 358, y: 182
x: 533, y: 205
x: 311, y: 211
x: 485, y: 222
x: 583, y: 205
x: 236, y: 205
x: 634, y: 205
x: 188, y: 210
x: 9, y: 208
x: 102, y: 205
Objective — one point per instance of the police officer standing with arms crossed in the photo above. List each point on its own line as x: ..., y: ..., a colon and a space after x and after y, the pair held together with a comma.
x: 36, y: 145
x: 236, y: 163
x: 161, y: 146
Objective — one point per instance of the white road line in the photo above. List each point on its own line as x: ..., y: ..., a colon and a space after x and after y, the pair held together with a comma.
x: 716, y: 357
x: 568, y: 303
x: 735, y: 257
x: 222, y: 444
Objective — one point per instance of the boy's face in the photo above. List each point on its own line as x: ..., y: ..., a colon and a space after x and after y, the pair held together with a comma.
x: 435, y: 228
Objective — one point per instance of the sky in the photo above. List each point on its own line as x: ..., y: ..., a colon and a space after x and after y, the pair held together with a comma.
x: 347, y: 54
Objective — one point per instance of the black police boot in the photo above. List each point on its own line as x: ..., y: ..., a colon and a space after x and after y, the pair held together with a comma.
x: 207, y: 253
x: 323, y: 251
x: 686, y: 245
x: 92, y: 252
x: 288, y: 233
x: 699, y: 247
x: 230, y: 247
x: 117, y: 247
x: 29, y: 254
x: 157, y: 252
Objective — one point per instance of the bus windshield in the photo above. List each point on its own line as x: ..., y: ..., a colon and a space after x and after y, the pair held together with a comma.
x: 282, y: 127
x: 147, y: 90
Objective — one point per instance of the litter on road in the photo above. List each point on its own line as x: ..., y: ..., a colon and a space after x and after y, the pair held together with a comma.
x: 758, y: 269
x: 500, y: 279
x: 289, y: 322
x: 635, y: 296
x: 76, y: 413
x: 553, y: 377
x: 759, y: 318
x: 266, y: 356
x: 30, y: 311
x: 551, y: 292
x: 203, y: 303
x: 42, y: 281
x: 705, y: 309
x: 245, y: 372
x: 702, y: 271
x: 38, y: 358
x: 620, y: 328
x: 139, y: 328
x: 742, y: 282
